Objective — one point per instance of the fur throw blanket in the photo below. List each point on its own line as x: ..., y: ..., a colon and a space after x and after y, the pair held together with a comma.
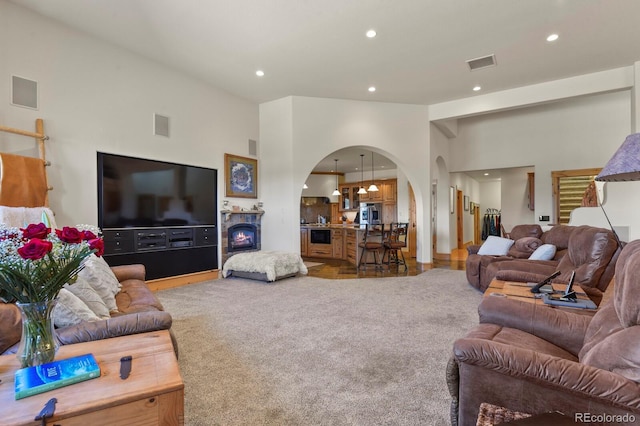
x: 272, y: 263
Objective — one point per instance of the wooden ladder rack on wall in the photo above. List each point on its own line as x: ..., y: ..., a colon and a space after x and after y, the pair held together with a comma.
x: 40, y: 137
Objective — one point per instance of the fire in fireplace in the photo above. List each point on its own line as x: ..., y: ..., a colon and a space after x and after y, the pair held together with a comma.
x: 242, y: 236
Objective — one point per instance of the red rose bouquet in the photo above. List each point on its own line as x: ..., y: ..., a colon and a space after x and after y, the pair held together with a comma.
x: 36, y: 263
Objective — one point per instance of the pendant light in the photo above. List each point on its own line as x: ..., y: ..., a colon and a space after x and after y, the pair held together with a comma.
x: 372, y: 187
x: 362, y: 190
x: 335, y: 191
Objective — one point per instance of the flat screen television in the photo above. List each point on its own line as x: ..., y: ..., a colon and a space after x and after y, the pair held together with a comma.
x: 140, y: 193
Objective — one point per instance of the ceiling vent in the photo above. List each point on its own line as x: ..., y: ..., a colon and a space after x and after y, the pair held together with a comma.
x: 483, y: 62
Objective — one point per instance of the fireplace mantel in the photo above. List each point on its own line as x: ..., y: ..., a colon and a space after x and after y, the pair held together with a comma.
x: 227, y: 213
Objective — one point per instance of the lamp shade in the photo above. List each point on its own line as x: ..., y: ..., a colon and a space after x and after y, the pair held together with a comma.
x: 625, y: 163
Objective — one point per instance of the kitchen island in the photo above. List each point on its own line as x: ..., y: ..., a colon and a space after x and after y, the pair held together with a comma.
x: 332, y: 241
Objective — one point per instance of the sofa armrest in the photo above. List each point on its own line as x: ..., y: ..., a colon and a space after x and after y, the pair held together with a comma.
x: 122, y: 325
x: 564, y: 329
x: 129, y: 272
x: 579, y: 380
x: 519, y: 276
x: 473, y: 248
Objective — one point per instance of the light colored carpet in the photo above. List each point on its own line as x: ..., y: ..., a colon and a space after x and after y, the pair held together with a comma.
x: 310, y: 264
x: 311, y: 351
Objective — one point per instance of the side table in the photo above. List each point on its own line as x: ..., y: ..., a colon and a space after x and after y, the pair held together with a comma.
x: 153, y: 394
x: 522, y: 291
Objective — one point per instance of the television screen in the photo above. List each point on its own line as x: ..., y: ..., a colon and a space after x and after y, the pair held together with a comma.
x: 134, y: 192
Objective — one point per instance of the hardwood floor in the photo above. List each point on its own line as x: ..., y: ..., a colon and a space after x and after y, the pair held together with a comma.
x: 341, y: 269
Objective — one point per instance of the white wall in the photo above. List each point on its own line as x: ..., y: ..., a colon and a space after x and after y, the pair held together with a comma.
x: 312, y: 128
x: 515, y: 197
x: 97, y: 97
x: 490, y: 195
x: 572, y: 134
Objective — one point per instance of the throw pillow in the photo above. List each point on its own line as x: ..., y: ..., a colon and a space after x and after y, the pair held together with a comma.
x: 100, y: 276
x: 70, y: 310
x: 544, y: 252
x: 495, y: 246
x: 85, y: 292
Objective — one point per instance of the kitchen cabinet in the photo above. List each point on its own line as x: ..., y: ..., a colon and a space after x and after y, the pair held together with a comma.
x: 336, y: 216
x: 389, y: 213
x: 372, y: 197
x: 349, y: 197
x: 389, y: 190
x: 342, y: 245
x: 337, y: 241
x: 320, y: 250
x: 304, y: 241
x: 351, y: 246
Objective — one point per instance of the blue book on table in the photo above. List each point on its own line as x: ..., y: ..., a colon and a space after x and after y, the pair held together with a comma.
x: 52, y: 375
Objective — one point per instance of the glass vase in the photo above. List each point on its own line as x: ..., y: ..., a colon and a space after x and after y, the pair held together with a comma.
x: 39, y: 343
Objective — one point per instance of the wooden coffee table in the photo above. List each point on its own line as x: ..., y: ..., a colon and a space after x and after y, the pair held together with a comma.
x: 522, y: 291
x: 153, y: 394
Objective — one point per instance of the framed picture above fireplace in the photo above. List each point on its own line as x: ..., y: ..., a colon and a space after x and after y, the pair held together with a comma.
x: 241, y: 176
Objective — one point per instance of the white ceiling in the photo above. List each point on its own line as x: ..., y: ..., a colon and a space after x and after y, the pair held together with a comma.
x: 318, y: 48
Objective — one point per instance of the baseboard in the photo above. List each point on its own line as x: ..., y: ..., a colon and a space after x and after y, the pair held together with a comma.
x: 181, y: 280
x: 442, y: 256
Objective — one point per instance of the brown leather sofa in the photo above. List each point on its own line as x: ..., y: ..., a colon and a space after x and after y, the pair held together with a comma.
x: 139, y: 311
x: 536, y: 359
x: 592, y: 253
x: 476, y: 263
x: 525, y: 237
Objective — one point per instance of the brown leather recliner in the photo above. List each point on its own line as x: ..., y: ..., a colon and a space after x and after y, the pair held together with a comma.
x: 592, y: 254
x: 536, y: 359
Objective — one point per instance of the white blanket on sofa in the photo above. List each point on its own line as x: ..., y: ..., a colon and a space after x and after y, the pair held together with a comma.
x: 273, y: 263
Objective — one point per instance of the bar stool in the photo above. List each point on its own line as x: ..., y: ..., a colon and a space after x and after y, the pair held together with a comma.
x: 395, y: 243
x: 370, y: 246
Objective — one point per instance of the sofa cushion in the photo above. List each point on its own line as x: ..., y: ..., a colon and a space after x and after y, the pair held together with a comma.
x: 71, y: 310
x: 11, y: 323
x: 523, y: 247
x: 544, y: 252
x: 558, y: 236
x: 136, y: 296
x: 526, y: 230
x: 100, y: 276
x: 495, y: 246
x: 87, y: 294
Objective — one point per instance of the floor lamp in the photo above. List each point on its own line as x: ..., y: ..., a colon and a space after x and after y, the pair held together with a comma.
x: 624, y: 166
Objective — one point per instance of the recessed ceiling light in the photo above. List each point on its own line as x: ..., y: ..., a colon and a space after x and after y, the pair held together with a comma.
x: 371, y: 33
x: 372, y: 89
x: 260, y: 73
x: 486, y: 174
x: 477, y: 88
x: 552, y: 37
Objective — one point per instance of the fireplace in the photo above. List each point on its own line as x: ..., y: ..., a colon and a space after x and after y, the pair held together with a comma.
x: 246, y: 227
x: 241, y: 237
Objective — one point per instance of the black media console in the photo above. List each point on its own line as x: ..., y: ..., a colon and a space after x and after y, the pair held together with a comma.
x: 164, y: 252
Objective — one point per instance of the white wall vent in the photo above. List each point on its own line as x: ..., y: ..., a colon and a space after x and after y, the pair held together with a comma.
x: 160, y: 125
x: 24, y: 92
x: 253, y: 147
x: 483, y: 62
